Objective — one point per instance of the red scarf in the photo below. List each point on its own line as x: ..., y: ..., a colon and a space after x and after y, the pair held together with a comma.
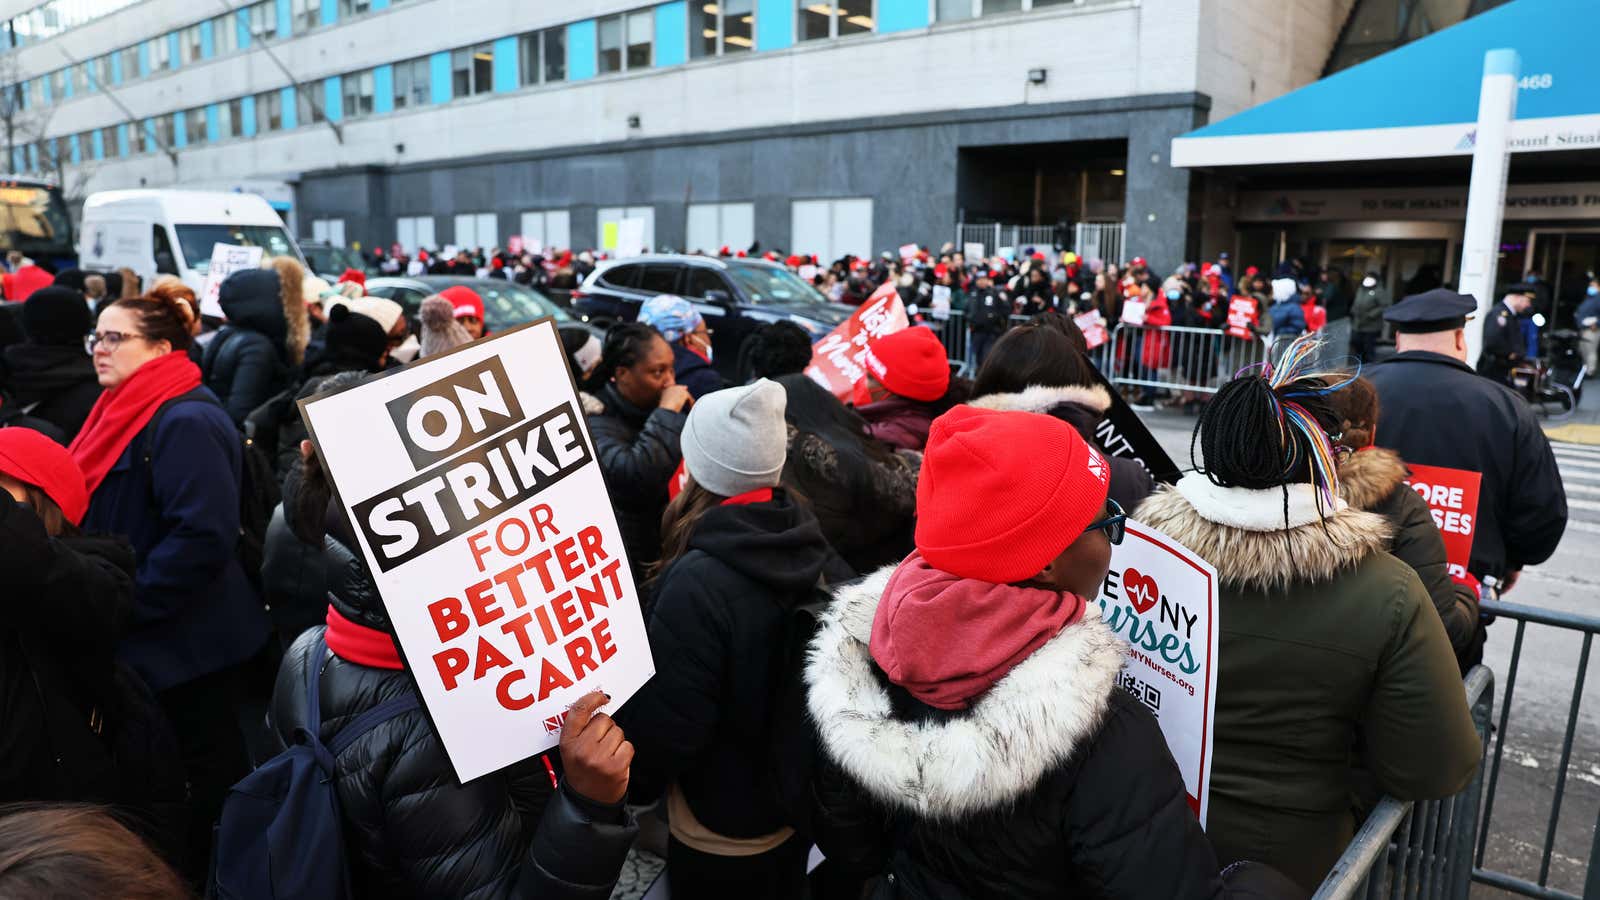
x: 359, y: 644
x: 123, y: 411
x: 759, y: 495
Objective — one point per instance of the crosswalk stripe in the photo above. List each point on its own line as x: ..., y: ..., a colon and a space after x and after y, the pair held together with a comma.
x: 1576, y: 450
x: 1588, y: 490
x: 1580, y: 525
x: 1565, y: 461
x: 1583, y: 504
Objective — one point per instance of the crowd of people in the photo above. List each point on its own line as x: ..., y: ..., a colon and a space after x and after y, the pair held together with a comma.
x: 954, y: 727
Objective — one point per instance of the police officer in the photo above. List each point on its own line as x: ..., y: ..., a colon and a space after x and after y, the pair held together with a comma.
x: 1436, y: 412
x: 1504, y: 342
x: 988, y: 313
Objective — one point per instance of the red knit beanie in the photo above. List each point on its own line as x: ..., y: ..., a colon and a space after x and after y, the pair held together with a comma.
x: 1003, y: 493
x: 911, y: 362
x: 464, y: 301
x: 32, y: 458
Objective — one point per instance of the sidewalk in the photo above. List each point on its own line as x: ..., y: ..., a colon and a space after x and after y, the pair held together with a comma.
x: 1584, y: 426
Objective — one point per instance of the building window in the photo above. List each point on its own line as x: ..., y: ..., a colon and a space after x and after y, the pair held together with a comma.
x: 142, y: 140
x: 103, y: 69
x: 80, y: 79
x: 194, y: 125
x: 269, y: 111
x: 308, y: 102
x: 832, y: 228
x: 305, y: 14
x: 820, y: 19
x: 475, y: 230
x: 161, y: 54
x: 626, y: 41
x: 472, y: 70
x: 224, y: 34
x: 357, y: 88
x: 348, y: 8
x: 232, y: 114
x: 414, y: 233
x: 723, y: 27
x: 544, y: 56
x: 130, y: 63
x: 108, y: 140
x: 641, y: 38
x: 58, y: 81
x: 608, y: 225
x: 412, y: 83
x: 328, y: 231
x: 189, y: 43
x: 957, y: 10
x: 164, y: 131
x: 547, y: 230
x: 714, y: 225
x: 263, y: 21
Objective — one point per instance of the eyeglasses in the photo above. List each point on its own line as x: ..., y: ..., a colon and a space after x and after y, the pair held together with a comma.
x: 112, y: 340
x: 1115, y: 524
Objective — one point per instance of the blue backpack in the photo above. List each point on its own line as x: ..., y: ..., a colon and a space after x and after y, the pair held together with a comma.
x: 280, y: 834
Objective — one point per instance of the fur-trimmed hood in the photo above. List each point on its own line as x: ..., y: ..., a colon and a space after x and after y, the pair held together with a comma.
x: 1032, y: 720
x: 1368, y: 477
x: 291, y: 292
x: 1245, y: 535
x: 1041, y: 399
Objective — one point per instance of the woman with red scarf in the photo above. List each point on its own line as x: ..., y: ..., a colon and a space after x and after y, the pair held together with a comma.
x: 172, y: 489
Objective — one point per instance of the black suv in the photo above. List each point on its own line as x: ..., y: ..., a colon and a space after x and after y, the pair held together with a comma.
x: 734, y: 295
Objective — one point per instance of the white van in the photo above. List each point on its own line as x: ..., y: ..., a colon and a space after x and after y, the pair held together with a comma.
x: 172, y: 232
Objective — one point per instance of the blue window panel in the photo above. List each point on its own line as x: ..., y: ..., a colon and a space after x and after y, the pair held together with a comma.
x: 291, y: 111
x: 144, y: 59
x: 98, y: 140
x: 901, y: 15
x: 208, y: 40
x: 75, y: 152
x: 91, y: 79
x: 241, y: 25
x: 122, y: 139
x: 285, y: 19
x: 774, y: 24
x: 383, y: 90
x: 439, y: 76
x: 19, y: 159
x: 333, y: 98
x: 116, y: 68
x: 33, y: 157
x: 581, y: 60
x: 672, y: 33
x: 150, y: 133
x: 247, y: 111
x: 45, y: 83
x: 180, y: 130
x: 505, y: 65
x: 213, y: 125
x: 379, y: 4
x: 174, y: 50
x: 330, y: 11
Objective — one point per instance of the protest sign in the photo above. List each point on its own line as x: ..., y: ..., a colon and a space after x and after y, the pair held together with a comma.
x: 941, y: 301
x: 1452, y: 496
x: 1133, y: 312
x: 1122, y: 433
x: 973, y: 251
x: 808, y: 273
x: 480, y: 509
x: 630, y: 237
x: 226, y: 259
x: 837, y: 360
x: 1242, y: 317
x: 1162, y: 600
x: 1093, y: 326
x: 514, y: 244
x: 908, y: 251
x: 1009, y: 254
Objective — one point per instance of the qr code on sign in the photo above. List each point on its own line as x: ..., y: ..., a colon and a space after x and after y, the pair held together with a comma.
x: 1142, y: 691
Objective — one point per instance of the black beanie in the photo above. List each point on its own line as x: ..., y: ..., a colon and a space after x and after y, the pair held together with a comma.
x: 56, y: 316
x: 71, y: 278
x: 353, y: 338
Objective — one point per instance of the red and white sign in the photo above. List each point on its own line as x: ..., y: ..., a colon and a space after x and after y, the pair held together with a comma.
x: 1093, y: 326
x: 1242, y: 315
x: 908, y: 251
x: 481, y: 512
x: 1452, y: 495
x: 1162, y: 600
x: 514, y: 245
x: 837, y: 361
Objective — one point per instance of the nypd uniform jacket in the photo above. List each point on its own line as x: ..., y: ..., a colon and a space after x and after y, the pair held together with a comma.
x: 1435, y: 411
x: 1502, y: 338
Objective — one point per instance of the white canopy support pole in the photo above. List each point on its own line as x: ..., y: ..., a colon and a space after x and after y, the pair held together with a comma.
x: 1486, y: 195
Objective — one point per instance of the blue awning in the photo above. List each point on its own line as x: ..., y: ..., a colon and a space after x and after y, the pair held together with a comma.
x: 1421, y: 100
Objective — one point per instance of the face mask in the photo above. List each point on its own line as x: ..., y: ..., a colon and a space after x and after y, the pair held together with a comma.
x: 1174, y: 295
x: 408, y: 349
x: 1369, y: 282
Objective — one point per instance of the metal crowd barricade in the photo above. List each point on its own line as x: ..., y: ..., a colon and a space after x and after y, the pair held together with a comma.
x: 1177, y: 358
x: 1588, y: 627
x: 1418, y: 849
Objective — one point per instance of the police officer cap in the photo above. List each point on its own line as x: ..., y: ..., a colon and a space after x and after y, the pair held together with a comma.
x: 1440, y: 309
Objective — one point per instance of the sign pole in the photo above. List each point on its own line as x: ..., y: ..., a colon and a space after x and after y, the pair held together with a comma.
x: 1486, y: 194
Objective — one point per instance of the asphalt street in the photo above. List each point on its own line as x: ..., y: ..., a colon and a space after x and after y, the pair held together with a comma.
x: 1542, y: 694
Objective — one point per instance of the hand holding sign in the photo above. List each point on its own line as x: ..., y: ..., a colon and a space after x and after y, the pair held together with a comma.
x: 595, y: 752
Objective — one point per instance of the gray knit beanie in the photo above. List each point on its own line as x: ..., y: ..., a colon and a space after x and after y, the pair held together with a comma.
x: 735, y: 439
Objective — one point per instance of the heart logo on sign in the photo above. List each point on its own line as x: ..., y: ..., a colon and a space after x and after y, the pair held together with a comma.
x: 1140, y: 589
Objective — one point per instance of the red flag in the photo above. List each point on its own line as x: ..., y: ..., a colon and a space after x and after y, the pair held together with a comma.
x: 836, y: 359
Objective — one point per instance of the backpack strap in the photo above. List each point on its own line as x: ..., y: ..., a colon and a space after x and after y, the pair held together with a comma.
x: 369, y: 720
x: 359, y: 726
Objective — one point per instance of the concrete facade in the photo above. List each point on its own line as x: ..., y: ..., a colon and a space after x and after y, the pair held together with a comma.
x: 882, y: 115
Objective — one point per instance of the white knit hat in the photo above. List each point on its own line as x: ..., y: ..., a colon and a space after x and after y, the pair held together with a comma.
x: 735, y: 439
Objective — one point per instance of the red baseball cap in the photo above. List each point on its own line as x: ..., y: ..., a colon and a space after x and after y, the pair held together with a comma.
x: 1137, y: 261
x: 941, y: 270
x: 464, y: 301
x: 911, y: 362
x: 1002, y: 493
x: 32, y: 458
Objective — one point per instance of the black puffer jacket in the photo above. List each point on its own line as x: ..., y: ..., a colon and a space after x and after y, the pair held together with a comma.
x: 1375, y: 480
x: 638, y: 451
x: 1082, y: 408
x: 412, y: 831
x: 248, y: 360
x: 866, y: 506
x: 57, y: 382
x: 1054, y: 783
x: 719, y: 616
